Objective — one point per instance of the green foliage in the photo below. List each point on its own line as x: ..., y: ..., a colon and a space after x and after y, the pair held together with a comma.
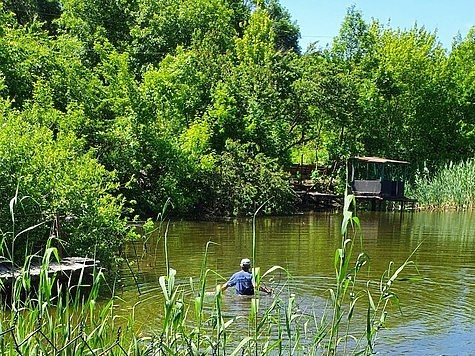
x: 449, y: 187
x: 251, y: 104
x: 286, y: 31
x: 355, y: 40
x: 462, y: 73
x: 24, y: 56
x: 27, y: 11
x: 156, y: 89
x: 248, y: 179
x: 175, y: 93
x: 163, y: 26
x: 409, y: 106
x: 53, y: 176
x: 87, y: 20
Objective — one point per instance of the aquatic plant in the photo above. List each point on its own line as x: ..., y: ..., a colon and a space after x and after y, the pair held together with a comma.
x: 280, y: 326
x: 347, y: 293
x: 450, y: 187
x: 43, y: 316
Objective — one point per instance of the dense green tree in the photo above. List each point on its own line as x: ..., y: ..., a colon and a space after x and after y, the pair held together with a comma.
x: 88, y: 20
x: 355, y: 40
x: 50, y: 175
x: 406, y: 104
x: 254, y: 101
x: 328, y: 119
x: 25, y: 56
x: 246, y: 179
x: 461, y: 70
x: 27, y: 11
x: 162, y: 26
x: 179, y: 99
x: 286, y: 32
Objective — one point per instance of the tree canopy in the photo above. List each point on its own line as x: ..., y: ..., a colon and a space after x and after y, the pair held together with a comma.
x: 206, y: 102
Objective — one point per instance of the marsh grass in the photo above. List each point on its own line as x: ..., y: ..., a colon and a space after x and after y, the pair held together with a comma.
x: 451, y: 187
x: 192, y: 319
x: 279, y: 326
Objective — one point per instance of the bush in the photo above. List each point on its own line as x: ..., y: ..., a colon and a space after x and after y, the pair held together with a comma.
x: 49, y: 176
x: 246, y: 178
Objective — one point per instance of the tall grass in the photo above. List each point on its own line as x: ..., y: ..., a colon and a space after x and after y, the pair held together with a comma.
x: 70, y: 323
x: 336, y: 333
x: 451, y: 187
x: 45, y: 317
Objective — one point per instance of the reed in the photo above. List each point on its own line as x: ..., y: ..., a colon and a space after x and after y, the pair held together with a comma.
x: 348, y: 293
x: 62, y: 324
x: 47, y: 317
x: 281, y: 327
x: 450, y: 187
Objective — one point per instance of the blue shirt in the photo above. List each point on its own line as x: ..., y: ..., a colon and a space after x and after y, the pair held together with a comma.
x: 242, y: 281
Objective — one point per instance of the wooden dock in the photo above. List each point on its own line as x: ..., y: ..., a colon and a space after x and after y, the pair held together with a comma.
x: 378, y: 203
x: 319, y: 201
x: 71, y: 273
x: 323, y: 201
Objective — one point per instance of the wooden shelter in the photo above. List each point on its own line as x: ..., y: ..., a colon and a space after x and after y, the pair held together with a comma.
x: 378, y: 180
x: 371, y: 179
x: 375, y: 176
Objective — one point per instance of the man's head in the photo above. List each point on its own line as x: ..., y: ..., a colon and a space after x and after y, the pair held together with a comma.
x: 245, y: 264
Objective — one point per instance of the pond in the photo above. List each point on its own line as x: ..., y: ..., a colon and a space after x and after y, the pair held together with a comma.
x: 435, y: 314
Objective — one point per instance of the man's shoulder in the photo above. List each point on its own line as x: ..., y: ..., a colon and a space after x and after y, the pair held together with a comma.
x: 243, y: 274
x: 237, y: 274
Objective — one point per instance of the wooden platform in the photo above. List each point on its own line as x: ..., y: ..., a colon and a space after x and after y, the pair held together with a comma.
x: 376, y: 201
x: 71, y: 273
x: 323, y: 201
x: 67, y: 266
x: 319, y: 201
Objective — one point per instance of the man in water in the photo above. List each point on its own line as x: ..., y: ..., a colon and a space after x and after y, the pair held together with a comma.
x: 242, y: 280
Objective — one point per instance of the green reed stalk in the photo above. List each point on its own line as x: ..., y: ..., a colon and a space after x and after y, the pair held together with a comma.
x: 256, y: 277
x: 50, y: 318
x: 75, y: 325
x: 341, y: 264
x: 450, y: 187
x: 346, y: 295
x: 199, y: 300
x: 259, y: 325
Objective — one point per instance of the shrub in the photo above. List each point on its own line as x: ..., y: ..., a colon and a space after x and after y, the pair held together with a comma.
x: 247, y: 178
x: 51, y: 177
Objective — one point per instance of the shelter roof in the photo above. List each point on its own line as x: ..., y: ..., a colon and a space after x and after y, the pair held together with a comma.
x: 378, y: 160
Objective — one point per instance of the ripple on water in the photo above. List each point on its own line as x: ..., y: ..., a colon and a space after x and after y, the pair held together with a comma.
x: 437, y: 316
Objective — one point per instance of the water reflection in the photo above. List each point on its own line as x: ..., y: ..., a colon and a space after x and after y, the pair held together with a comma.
x: 436, y: 317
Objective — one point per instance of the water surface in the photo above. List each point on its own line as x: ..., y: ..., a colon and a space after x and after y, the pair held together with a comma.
x: 436, y: 318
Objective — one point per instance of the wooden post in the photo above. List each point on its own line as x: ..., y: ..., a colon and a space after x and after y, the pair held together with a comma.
x: 57, y: 230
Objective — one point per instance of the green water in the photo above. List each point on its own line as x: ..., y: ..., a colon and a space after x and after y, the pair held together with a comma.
x: 437, y: 316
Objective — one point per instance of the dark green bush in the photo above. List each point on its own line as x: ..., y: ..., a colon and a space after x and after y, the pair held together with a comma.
x: 247, y: 178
